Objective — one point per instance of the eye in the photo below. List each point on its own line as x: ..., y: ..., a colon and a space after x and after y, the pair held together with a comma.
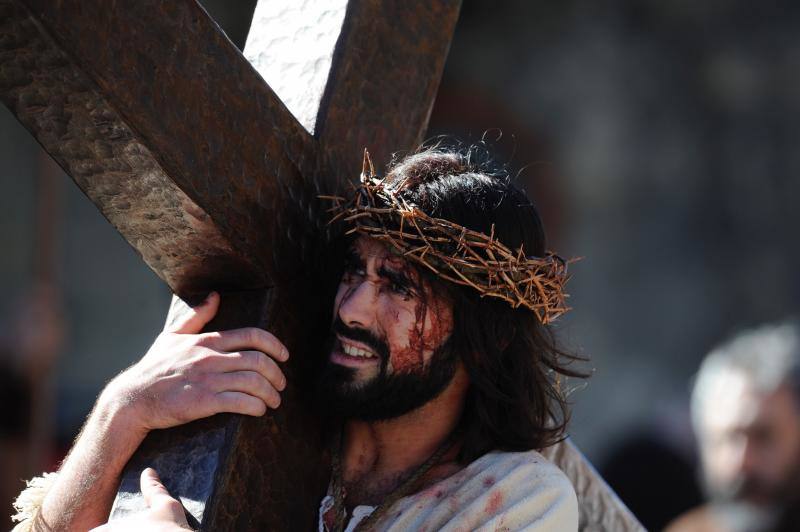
x: 353, y: 269
x: 400, y: 288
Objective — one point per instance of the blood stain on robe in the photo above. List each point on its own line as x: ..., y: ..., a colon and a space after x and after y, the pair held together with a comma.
x: 494, y: 503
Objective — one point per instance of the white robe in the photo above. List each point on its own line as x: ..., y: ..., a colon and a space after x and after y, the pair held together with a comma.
x: 498, y: 491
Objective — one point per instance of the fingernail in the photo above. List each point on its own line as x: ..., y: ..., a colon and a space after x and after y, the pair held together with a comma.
x: 285, y: 353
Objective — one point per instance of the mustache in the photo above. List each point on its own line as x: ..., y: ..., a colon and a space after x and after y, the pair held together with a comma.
x: 368, y: 338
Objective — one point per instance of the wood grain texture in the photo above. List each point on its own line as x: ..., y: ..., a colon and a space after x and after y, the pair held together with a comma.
x: 75, y: 122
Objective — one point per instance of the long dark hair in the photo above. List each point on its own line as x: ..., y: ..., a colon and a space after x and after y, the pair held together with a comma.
x: 516, y: 400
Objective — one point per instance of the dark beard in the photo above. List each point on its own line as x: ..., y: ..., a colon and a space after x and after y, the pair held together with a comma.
x: 385, y: 396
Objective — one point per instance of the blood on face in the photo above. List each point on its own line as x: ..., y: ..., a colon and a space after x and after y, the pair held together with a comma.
x: 386, y: 295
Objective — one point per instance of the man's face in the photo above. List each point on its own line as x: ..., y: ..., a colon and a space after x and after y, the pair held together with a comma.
x: 751, y: 442
x: 388, y: 349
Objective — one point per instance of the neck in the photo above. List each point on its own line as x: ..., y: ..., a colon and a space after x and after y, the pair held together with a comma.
x: 378, y: 456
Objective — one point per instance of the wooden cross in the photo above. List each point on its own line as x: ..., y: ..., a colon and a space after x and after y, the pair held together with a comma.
x: 212, y: 177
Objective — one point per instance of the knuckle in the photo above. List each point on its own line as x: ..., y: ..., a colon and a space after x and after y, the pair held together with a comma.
x: 168, y: 503
x: 251, y: 336
x: 239, y: 402
x: 203, y: 359
x: 207, y: 339
x: 265, y: 340
x: 244, y: 360
x: 270, y: 338
x: 264, y: 364
x: 255, y: 359
x: 237, y: 357
x: 197, y: 383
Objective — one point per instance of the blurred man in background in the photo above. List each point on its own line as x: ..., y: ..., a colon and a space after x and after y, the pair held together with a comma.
x: 746, y: 414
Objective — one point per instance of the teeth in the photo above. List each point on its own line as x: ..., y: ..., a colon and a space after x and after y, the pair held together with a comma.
x: 356, y: 352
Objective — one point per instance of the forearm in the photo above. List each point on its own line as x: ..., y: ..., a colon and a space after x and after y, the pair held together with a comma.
x: 87, y: 482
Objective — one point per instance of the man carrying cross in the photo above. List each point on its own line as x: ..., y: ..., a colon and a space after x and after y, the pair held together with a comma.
x: 441, y: 373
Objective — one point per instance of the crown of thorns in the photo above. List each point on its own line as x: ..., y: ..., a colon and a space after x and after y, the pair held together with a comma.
x: 451, y: 251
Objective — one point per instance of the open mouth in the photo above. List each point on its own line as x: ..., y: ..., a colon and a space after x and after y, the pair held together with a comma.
x: 349, y: 352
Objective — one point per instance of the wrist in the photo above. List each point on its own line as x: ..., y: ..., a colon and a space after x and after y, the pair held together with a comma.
x: 83, y: 494
x: 117, y: 416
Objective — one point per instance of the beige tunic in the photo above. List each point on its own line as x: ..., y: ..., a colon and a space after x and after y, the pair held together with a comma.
x: 499, y: 491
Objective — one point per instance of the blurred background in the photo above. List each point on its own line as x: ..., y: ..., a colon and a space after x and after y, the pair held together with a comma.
x: 658, y: 139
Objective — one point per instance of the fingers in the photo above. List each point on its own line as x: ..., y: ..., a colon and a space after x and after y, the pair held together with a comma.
x: 248, y: 338
x: 254, y: 361
x: 158, y: 498
x: 240, y: 403
x: 249, y: 382
x: 153, y: 490
x: 193, y: 321
x: 246, y: 382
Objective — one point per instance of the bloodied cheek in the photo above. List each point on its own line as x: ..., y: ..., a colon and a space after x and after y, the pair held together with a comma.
x: 431, y: 326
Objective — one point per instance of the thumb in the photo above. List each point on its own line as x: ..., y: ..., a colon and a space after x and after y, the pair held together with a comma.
x: 157, y: 497
x: 191, y: 320
x: 152, y: 488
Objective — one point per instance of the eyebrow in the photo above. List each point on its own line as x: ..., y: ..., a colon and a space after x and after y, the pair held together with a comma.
x: 353, y: 258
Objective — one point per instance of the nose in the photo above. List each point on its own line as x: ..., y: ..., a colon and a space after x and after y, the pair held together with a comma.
x: 741, y: 456
x: 749, y: 461
x: 357, y: 306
